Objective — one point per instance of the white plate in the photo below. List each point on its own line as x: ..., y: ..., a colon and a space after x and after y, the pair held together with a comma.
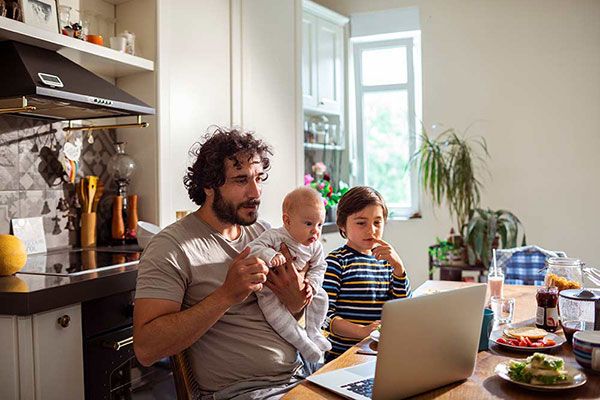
x: 375, y: 335
x: 579, y: 379
x: 497, y: 334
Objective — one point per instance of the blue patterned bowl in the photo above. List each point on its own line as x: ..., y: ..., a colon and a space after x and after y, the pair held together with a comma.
x: 586, y: 347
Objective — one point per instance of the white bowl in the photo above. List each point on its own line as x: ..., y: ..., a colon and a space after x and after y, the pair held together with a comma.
x: 145, y: 232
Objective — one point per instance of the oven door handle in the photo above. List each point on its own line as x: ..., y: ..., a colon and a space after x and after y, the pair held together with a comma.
x: 116, y: 346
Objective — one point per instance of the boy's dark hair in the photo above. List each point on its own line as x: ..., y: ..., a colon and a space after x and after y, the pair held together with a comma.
x: 355, y: 200
x: 208, y: 171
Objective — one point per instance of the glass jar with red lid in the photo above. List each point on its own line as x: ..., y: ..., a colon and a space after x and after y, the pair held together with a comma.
x: 547, y: 308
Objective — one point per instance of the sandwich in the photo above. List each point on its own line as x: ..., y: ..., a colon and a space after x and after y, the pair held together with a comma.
x: 539, y: 369
x: 528, y: 332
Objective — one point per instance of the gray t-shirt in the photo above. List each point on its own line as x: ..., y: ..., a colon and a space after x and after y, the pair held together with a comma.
x: 185, y: 263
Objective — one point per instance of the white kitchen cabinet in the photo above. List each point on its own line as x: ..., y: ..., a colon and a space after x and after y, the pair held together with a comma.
x: 322, y: 59
x: 309, y: 60
x: 42, y: 355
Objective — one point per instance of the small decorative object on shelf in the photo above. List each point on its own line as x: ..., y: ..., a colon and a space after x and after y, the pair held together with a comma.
x: 64, y: 19
x: 40, y: 13
x: 129, y: 42
x: 11, y: 9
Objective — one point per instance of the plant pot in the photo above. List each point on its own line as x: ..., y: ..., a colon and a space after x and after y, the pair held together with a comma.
x: 457, y: 257
x: 331, y: 214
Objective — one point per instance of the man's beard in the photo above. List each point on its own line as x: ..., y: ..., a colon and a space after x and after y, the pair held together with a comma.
x: 228, y: 212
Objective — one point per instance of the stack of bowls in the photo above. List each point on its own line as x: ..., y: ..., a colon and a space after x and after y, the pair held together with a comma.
x: 586, y: 347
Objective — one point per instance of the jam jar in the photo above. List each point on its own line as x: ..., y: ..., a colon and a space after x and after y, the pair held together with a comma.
x: 546, y: 316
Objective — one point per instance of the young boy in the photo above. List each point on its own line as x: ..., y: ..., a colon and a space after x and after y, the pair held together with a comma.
x: 303, y: 217
x: 364, y: 273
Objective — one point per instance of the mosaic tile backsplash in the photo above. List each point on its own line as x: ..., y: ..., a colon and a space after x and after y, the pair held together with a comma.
x: 32, y: 181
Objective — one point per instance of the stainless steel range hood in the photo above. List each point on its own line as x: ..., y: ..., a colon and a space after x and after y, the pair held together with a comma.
x: 58, y: 88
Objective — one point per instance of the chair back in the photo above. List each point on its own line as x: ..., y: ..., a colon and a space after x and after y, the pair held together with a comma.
x: 185, y: 384
x: 525, y: 265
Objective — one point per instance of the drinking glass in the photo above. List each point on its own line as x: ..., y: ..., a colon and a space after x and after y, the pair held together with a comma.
x: 504, y: 308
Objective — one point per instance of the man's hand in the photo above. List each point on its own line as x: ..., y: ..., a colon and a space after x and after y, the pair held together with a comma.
x: 288, y: 285
x: 385, y: 251
x: 245, y: 275
x: 278, y: 260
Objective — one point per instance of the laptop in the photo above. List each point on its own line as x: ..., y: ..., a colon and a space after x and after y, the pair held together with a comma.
x: 425, y: 342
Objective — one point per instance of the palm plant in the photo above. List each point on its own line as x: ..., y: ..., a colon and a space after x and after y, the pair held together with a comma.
x: 448, y: 168
x: 487, y: 226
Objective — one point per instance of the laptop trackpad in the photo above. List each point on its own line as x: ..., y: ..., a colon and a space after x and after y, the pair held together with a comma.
x: 366, y: 370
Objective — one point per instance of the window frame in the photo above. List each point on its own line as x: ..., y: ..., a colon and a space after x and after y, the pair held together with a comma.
x: 411, y: 41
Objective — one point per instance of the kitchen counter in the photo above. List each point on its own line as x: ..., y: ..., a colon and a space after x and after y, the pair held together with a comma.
x: 26, y: 294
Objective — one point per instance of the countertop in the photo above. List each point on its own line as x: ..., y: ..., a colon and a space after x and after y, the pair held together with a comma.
x: 24, y: 294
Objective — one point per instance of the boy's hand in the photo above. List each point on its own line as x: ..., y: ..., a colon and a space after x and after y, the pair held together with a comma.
x: 367, y: 329
x: 278, y: 260
x: 385, y: 251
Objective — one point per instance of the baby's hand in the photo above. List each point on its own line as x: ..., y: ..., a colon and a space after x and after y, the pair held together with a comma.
x: 278, y: 260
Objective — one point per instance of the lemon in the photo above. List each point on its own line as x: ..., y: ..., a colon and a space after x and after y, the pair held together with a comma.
x: 12, y: 254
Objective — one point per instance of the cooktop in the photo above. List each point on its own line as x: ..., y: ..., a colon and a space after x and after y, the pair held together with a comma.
x: 70, y: 262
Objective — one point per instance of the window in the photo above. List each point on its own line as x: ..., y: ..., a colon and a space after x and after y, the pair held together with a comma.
x: 387, y: 111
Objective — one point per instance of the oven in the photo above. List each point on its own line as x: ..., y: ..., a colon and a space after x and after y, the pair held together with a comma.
x: 111, y: 370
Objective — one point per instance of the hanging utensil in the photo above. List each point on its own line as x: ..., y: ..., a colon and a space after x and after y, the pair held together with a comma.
x: 81, y: 191
x: 98, y: 196
x: 92, y: 182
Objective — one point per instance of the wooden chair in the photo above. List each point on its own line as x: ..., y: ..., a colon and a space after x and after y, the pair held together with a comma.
x: 185, y: 384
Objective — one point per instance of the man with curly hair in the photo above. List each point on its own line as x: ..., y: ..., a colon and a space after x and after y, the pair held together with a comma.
x: 196, y: 281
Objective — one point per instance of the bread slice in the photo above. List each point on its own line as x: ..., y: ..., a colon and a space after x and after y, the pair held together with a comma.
x: 525, y: 331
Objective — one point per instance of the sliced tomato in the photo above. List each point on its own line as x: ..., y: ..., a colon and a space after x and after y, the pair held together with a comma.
x: 549, y: 342
x: 513, y: 342
x: 501, y: 341
x: 523, y: 343
x: 528, y: 341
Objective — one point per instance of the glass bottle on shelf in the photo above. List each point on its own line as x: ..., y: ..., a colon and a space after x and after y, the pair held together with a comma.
x: 64, y: 17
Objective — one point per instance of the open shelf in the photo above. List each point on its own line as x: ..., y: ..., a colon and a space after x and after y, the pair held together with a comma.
x: 98, y: 59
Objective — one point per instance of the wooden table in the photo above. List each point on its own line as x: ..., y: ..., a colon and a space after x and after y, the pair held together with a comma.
x: 483, y: 384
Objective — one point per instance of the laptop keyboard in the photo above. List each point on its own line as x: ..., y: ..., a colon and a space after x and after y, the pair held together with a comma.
x: 364, y: 387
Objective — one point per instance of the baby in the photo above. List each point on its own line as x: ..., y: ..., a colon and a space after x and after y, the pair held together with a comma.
x: 303, y: 217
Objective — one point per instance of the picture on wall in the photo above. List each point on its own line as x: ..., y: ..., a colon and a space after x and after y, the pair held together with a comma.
x: 41, y: 14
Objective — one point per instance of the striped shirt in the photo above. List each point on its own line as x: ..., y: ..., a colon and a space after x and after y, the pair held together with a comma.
x: 358, y: 285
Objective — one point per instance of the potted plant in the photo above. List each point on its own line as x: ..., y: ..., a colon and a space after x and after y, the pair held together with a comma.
x: 448, y: 171
x: 321, y: 182
x: 440, y: 251
x: 487, y: 229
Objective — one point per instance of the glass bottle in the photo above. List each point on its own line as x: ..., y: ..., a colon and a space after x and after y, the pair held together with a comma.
x: 64, y: 17
x: 496, y: 279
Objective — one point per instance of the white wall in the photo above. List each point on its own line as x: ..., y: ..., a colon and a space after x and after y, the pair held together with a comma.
x: 139, y: 16
x: 227, y: 63
x: 194, y: 89
x: 271, y: 100
x: 528, y: 75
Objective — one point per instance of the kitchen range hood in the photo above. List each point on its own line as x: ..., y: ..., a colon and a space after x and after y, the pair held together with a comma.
x: 58, y: 88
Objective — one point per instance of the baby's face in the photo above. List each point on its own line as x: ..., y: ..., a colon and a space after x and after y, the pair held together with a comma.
x: 304, y: 224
